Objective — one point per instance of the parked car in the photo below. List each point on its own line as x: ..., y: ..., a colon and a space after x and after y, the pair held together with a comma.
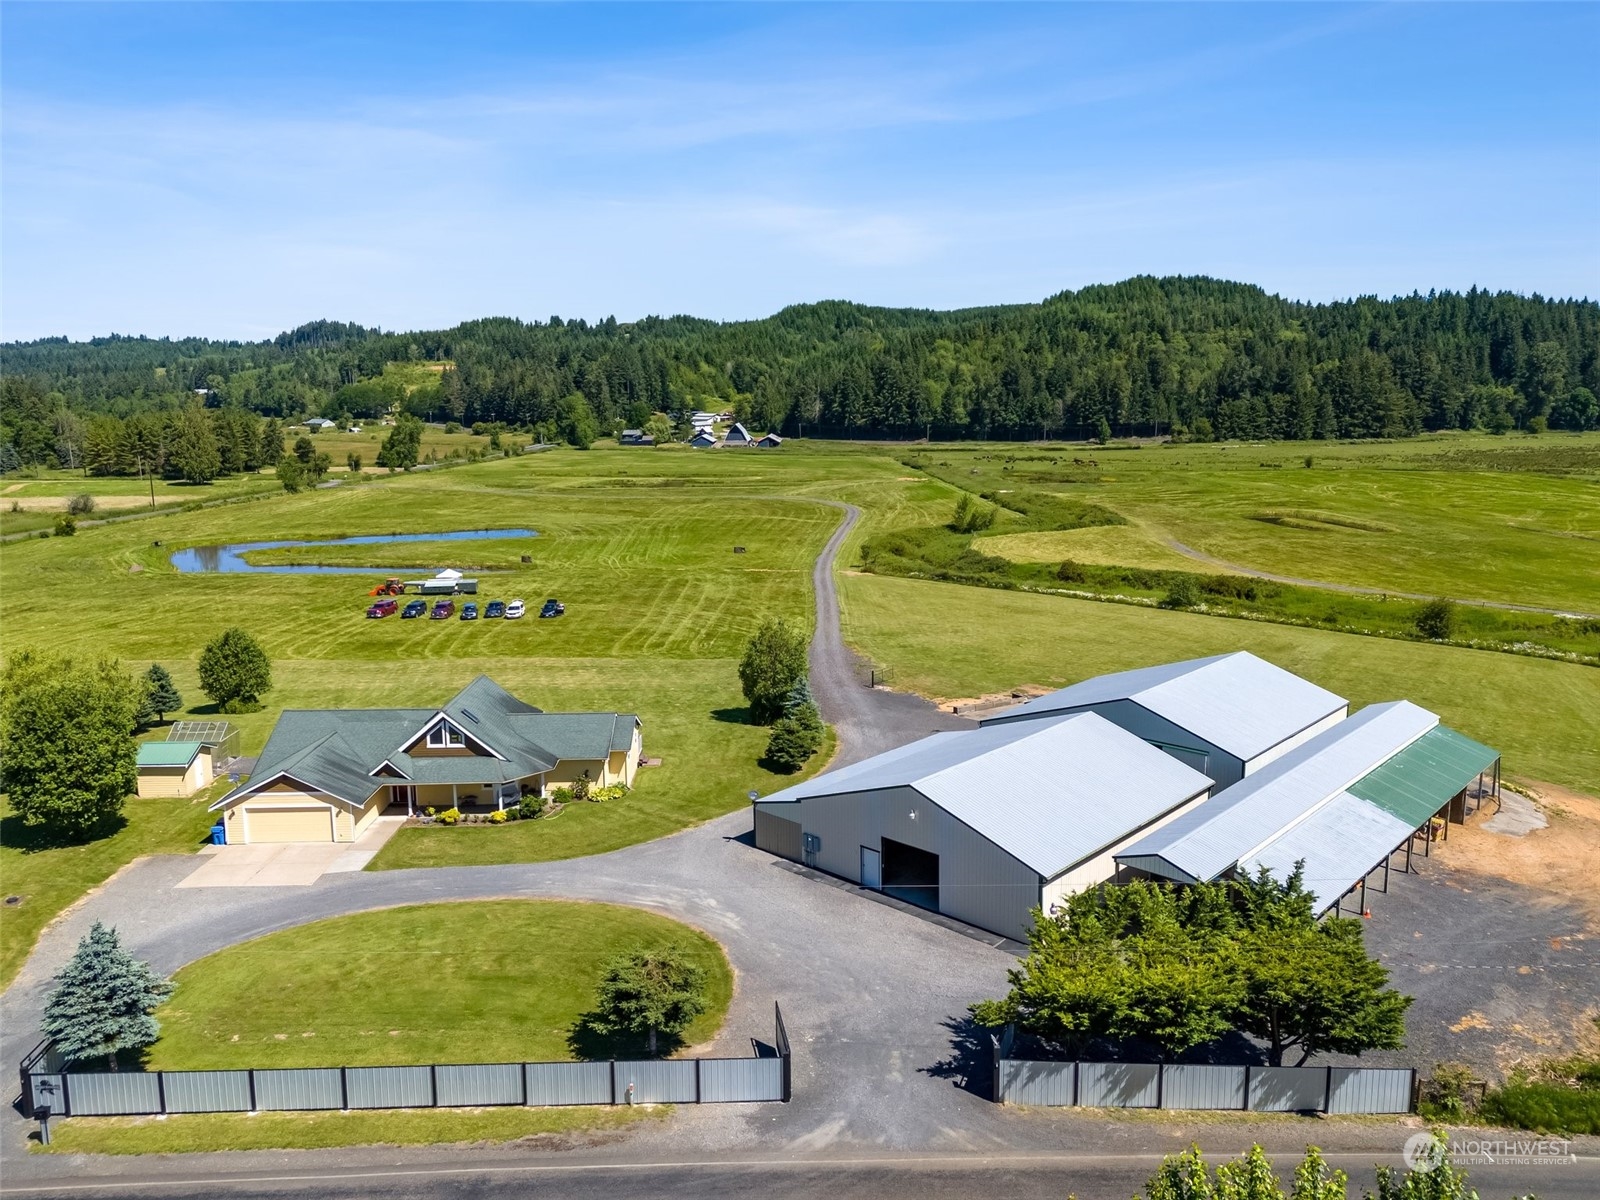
x: 415, y: 608
x: 515, y: 609
x: 552, y: 608
x: 469, y: 612
x: 497, y: 608
x: 443, y: 610
x: 383, y: 608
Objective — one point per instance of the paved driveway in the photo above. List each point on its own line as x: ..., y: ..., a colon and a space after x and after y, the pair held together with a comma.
x: 287, y: 864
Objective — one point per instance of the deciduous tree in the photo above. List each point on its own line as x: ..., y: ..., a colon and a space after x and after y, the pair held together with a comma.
x: 67, y: 756
x: 774, y: 660
x: 234, y: 671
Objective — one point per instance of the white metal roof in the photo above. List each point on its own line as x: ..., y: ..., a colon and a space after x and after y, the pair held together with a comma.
x: 1261, y: 808
x: 1237, y: 702
x: 1050, y: 793
x: 1338, y: 843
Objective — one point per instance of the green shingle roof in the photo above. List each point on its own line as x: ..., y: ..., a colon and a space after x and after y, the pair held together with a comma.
x: 337, y: 751
x: 167, y: 754
x: 1415, y: 783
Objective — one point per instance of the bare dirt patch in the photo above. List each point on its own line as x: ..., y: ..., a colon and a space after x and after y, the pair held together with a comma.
x: 59, y: 503
x: 993, y: 703
x: 1561, y: 861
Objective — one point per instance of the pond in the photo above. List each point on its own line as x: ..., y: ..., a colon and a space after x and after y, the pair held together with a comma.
x: 230, y: 559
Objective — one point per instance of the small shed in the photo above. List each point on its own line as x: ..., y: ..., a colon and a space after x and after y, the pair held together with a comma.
x: 703, y: 440
x: 318, y: 424
x: 770, y: 442
x: 174, y: 768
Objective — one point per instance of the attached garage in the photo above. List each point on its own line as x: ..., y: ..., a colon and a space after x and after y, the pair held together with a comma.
x: 279, y: 823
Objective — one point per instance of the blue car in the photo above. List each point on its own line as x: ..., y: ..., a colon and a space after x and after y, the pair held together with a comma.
x: 469, y: 612
x: 497, y: 608
x: 415, y: 608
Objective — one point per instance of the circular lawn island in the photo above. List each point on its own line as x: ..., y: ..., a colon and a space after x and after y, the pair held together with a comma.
x: 458, y: 982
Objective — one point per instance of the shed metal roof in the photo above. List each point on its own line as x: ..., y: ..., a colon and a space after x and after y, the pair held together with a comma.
x: 1238, y: 702
x: 1230, y: 826
x: 167, y: 754
x: 1415, y: 783
x: 1339, y: 844
x: 1072, y: 786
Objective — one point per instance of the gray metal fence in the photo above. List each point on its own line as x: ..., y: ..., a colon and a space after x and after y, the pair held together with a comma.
x: 45, y: 1081
x: 1244, y: 1088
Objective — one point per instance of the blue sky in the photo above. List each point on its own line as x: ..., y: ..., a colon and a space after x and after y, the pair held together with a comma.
x: 234, y: 170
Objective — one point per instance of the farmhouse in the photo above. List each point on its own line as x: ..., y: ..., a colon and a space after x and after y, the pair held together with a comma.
x: 988, y: 824
x: 193, y: 755
x: 1226, y: 716
x: 326, y: 774
x: 635, y: 437
x: 1342, y: 803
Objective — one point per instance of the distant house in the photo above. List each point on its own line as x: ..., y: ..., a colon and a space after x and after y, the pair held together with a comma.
x: 702, y: 420
x: 318, y: 424
x: 325, y: 775
x: 739, y: 436
x: 635, y: 437
x: 704, y: 439
x: 770, y: 442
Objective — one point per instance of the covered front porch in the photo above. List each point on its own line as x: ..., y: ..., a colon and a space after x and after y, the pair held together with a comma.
x: 414, y: 799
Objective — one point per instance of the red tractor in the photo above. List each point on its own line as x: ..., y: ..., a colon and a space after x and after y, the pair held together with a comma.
x: 389, y: 587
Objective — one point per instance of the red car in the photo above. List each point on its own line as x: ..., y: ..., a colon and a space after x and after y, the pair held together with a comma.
x: 442, y: 610
x: 383, y: 608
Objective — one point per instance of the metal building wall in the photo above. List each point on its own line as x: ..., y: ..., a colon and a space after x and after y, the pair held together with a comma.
x: 979, y: 883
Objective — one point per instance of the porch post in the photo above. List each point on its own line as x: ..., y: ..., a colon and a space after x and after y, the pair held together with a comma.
x: 455, y: 800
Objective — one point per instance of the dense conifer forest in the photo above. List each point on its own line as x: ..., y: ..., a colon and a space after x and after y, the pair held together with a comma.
x: 1192, y: 357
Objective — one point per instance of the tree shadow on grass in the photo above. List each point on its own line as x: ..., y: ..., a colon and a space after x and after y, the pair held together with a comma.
x: 30, y: 839
x: 588, y: 1044
x: 970, y: 1063
x: 732, y: 716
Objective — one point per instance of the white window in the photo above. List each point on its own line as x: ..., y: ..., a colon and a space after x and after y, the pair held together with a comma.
x: 445, y: 736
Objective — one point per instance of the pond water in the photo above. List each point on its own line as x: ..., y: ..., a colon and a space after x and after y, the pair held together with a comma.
x: 230, y: 558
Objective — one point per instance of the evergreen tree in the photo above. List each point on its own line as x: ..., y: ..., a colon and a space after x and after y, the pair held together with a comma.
x: 234, y: 671
x: 194, y: 455
x: 67, y: 756
x: 104, y: 1001
x: 799, y: 733
x: 648, y: 993
x: 162, y: 695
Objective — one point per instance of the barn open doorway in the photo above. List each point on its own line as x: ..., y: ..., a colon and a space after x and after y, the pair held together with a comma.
x: 910, y: 874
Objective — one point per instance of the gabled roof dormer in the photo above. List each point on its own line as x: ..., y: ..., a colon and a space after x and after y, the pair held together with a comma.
x: 443, y: 733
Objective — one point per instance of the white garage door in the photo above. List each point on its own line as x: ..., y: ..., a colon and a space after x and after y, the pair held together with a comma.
x: 310, y: 824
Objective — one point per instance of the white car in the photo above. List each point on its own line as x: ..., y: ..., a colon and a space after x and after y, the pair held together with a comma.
x: 515, y: 609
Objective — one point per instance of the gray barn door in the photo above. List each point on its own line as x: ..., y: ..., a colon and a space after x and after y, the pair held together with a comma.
x: 871, y: 869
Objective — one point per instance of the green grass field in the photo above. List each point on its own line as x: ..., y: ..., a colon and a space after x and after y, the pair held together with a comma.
x: 946, y: 640
x: 639, y: 543
x: 1437, y: 516
x: 479, y: 981
x: 199, y: 1133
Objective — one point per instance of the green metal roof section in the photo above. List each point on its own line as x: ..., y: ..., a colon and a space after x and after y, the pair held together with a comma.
x: 1415, y: 783
x: 167, y: 754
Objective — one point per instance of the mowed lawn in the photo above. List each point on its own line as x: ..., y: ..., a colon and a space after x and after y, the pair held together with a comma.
x: 470, y: 982
x: 638, y: 543
x: 947, y: 640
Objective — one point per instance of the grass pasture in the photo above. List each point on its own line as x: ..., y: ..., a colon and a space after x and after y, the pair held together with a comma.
x: 1470, y: 517
x: 947, y: 640
x: 468, y: 982
x: 639, y: 543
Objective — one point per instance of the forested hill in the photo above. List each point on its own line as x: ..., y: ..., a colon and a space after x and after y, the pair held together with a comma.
x: 1147, y: 355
